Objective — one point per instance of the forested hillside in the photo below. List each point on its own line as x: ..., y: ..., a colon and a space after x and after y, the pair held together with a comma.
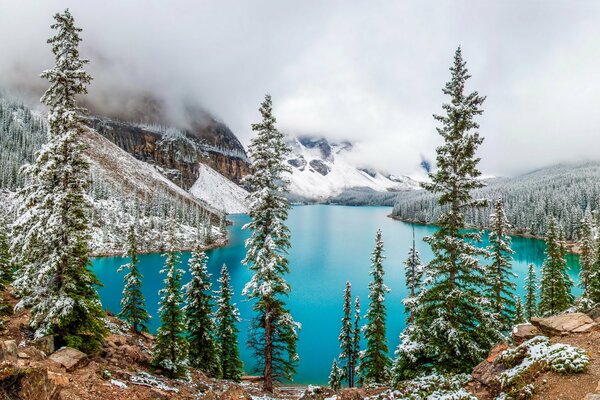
x: 565, y: 191
x: 146, y: 196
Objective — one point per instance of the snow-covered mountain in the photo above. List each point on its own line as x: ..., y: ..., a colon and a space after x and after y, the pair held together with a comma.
x: 322, y: 170
x: 218, y: 191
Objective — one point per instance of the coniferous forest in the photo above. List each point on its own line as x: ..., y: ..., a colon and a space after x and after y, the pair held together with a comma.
x: 64, y: 205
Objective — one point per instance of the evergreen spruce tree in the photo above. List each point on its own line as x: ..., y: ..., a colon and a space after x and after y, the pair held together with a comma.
x: 6, y: 265
x: 356, y: 340
x: 594, y: 276
x: 50, y: 235
x: 453, y: 329
x: 335, y: 376
x: 273, y: 333
x: 518, y: 316
x: 555, y: 283
x: 374, y: 361
x: 531, y: 288
x: 197, y: 311
x: 133, y: 303
x: 414, y: 276
x: 227, y: 317
x: 586, y: 255
x: 170, y: 347
x: 501, y: 288
x: 346, y: 338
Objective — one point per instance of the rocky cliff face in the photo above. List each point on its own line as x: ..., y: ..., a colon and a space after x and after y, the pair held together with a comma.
x: 178, y: 152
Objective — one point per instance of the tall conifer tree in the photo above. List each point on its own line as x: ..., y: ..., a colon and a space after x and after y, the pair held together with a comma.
x: 273, y: 333
x: 356, y: 339
x: 197, y: 311
x: 531, y: 289
x: 594, y: 276
x: 170, y: 346
x: 453, y: 329
x: 346, y: 338
x: 133, y: 303
x: 413, y: 271
x: 227, y: 317
x: 335, y: 376
x: 555, y: 283
x: 374, y: 361
x: 6, y: 265
x: 501, y: 287
x: 51, y: 232
x: 586, y: 255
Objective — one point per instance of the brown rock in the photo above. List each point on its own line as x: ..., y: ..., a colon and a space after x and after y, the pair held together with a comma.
x: 594, y: 313
x: 560, y: 324
x: 486, y: 372
x: 69, y: 358
x: 24, y: 355
x: 350, y: 394
x: 523, y: 332
x: 235, y: 392
x: 585, y: 328
x: 36, y: 385
x: 9, y: 350
x: 496, y: 351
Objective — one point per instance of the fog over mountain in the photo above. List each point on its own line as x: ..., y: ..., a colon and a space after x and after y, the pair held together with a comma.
x: 369, y: 72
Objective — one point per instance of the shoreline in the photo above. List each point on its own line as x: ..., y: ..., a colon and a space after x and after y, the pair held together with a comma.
x: 217, y: 244
x: 572, y: 247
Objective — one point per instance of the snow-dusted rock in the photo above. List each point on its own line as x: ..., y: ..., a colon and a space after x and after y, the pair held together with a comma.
x: 564, y: 323
x: 69, y: 358
x: 523, y: 332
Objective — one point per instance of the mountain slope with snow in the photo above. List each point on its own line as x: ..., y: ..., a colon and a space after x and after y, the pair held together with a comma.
x: 322, y: 170
x: 213, y: 188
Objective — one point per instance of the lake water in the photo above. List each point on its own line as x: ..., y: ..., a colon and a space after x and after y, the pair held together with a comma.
x: 330, y: 245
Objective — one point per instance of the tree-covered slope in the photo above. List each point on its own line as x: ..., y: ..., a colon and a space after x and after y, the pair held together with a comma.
x: 564, y: 191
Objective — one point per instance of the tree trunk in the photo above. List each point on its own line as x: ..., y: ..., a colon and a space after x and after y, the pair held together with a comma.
x: 268, y: 372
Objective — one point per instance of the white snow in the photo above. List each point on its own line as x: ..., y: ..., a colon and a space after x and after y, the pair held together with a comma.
x: 343, y: 174
x: 222, y: 194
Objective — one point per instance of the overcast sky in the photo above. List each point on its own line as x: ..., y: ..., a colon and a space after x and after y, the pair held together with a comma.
x: 367, y: 71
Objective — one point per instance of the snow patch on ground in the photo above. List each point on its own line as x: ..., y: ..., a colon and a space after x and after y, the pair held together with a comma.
x: 222, y: 194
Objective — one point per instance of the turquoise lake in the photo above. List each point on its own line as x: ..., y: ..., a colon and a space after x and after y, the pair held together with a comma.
x: 330, y: 245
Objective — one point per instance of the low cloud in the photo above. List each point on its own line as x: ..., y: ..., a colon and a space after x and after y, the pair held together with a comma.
x: 370, y: 72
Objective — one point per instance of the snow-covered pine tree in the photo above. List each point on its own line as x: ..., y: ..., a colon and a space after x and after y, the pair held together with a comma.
x: 200, y: 327
x: 273, y: 333
x: 356, y: 339
x: 586, y: 255
x: 374, y: 360
x: 594, y: 283
x: 501, y: 287
x: 413, y: 270
x: 170, y: 346
x: 346, y: 338
x: 518, y: 316
x: 531, y: 289
x: 227, y: 316
x: 453, y: 328
x: 133, y: 303
x: 335, y: 376
x: 6, y: 265
x: 555, y: 283
x: 50, y: 234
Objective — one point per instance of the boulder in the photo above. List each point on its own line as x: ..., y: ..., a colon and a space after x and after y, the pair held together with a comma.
x: 9, y: 350
x: 496, y: 351
x: 69, y: 358
x: 316, y: 393
x: 594, y: 313
x: 235, y: 392
x: 563, y: 323
x: 36, y: 384
x: 486, y: 372
x: 523, y: 332
x: 350, y: 394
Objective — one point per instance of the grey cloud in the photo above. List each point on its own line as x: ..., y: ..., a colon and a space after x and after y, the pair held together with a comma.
x: 368, y: 71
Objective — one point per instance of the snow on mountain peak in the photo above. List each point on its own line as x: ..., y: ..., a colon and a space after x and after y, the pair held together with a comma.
x: 321, y: 170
